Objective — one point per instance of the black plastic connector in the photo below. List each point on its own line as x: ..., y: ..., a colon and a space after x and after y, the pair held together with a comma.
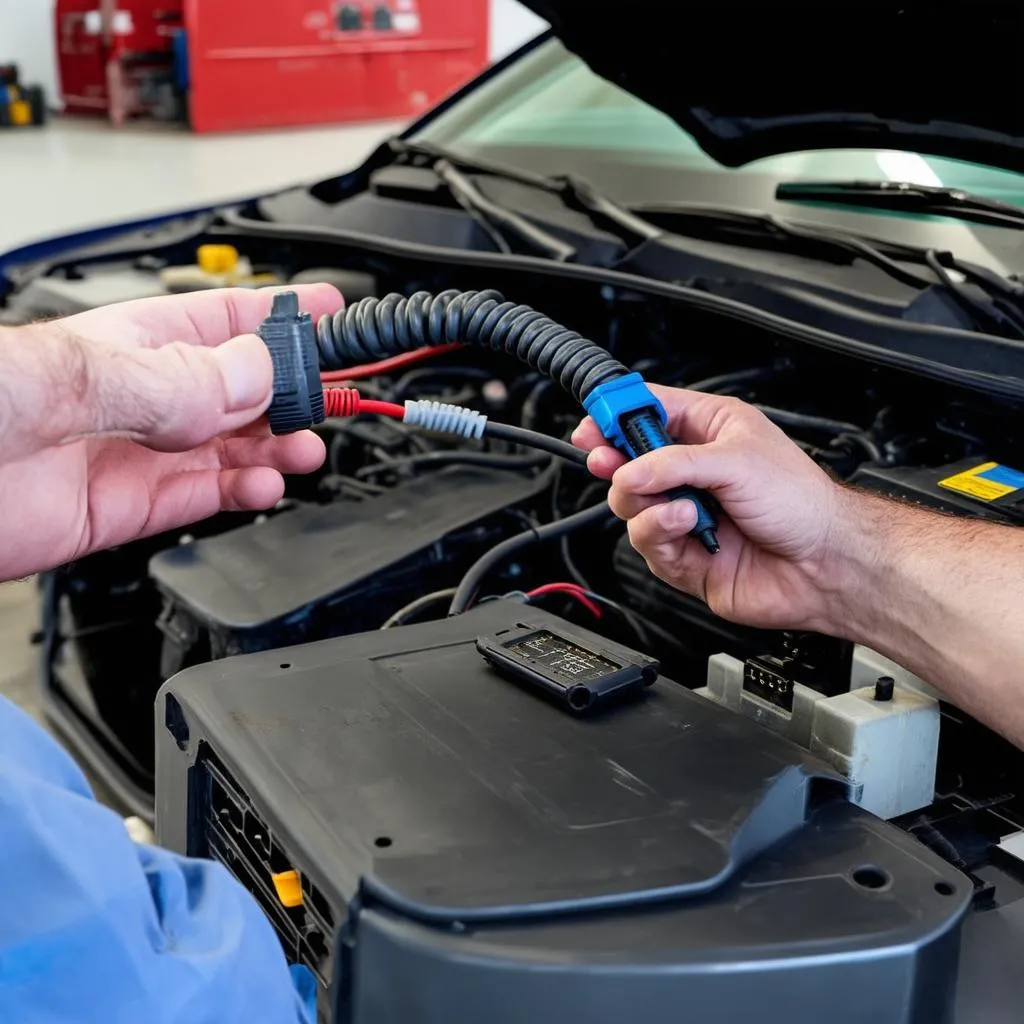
x: 298, y: 394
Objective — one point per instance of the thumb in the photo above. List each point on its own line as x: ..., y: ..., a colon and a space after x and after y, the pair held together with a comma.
x: 172, y: 398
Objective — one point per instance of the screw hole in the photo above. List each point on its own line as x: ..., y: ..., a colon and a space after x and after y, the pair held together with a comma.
x: 286, y: 664
x: 382, y: 842
x: 945, y: 888
x: 870, y: 877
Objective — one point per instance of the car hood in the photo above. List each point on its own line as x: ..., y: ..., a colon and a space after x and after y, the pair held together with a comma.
x: 750, y: 81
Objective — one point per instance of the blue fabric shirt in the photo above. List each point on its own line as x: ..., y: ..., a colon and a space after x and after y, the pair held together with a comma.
x: 95, y: 928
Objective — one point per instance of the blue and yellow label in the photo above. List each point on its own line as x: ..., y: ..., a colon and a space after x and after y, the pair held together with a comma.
x: 987, y: 482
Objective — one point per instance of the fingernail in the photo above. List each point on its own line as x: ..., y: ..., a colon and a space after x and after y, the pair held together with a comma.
x: 674, y: 515
x: 634, y: 475
x: 247, y: 371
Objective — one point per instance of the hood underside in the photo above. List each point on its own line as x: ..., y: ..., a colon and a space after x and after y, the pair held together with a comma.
x: 750, y: 81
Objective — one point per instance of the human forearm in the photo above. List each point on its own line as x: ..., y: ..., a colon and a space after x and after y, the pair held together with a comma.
x: 942, y: 596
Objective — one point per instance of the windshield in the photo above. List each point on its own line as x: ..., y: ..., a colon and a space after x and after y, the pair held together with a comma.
x: 549, y: 113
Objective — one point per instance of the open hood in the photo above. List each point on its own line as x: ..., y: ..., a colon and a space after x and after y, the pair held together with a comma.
x: 754, y: 80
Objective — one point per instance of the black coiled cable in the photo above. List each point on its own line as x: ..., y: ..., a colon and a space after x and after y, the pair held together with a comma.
x: 374, y: 329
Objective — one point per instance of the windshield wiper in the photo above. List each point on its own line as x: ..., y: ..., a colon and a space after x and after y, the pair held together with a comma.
x: 493, y: 217
x: 1003, y: 317
x: 574, y: 191
x: 905, y: 197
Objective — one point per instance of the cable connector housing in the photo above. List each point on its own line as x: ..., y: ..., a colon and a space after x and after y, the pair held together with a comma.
x: 610, y: 402
x: 630, y: 417
x: 290, y: 336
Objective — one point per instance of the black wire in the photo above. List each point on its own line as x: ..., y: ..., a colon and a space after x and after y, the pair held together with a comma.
x: 873, y: 451
x: 642, y: 628
x: 531, y: 407
x: 362, y: 488
x: 533, y: 439
x: 632, y: 619
x: 564, y: 544
x: 714, y: 385
x: 471, y: 582
x: 402, y: 616
x: 983, y: 317
x: 438, y: 373
x: 456, y: 458
x: 805, y: 421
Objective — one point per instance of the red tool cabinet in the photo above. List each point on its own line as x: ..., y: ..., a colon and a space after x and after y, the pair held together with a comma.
x: 116, y: 56
x: 267, y: 63
x: 262, y: 63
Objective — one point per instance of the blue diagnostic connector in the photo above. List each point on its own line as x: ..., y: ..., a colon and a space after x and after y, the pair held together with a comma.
x: 608, y: 403
x: 630, y: 417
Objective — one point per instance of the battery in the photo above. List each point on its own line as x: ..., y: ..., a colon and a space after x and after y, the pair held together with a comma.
x: 975, y: 487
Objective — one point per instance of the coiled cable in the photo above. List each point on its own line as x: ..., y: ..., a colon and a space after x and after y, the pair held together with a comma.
x: 375, y: 329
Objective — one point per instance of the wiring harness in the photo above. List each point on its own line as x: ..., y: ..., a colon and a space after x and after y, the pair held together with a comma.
x: 628, y: 414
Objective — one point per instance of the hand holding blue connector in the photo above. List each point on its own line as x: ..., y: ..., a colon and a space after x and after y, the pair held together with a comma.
x: 632, y: 419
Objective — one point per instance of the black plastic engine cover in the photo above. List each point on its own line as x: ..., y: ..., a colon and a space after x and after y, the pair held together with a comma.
x: 489, y: 857
x: 324, y: 570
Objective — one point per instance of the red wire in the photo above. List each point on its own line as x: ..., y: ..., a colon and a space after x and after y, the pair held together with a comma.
x: 343, y: 402
x: 570, y: 590
x: 386, y: 365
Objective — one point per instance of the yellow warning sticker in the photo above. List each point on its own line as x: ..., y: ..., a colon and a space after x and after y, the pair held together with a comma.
x: 986, y: 482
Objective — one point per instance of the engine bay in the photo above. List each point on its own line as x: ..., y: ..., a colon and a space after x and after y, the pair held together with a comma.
x: 398, y: 514
x: 383, y: 536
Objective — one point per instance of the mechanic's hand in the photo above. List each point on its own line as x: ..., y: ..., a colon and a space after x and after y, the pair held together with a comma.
x: 134, y: 419
x: 781, y: 511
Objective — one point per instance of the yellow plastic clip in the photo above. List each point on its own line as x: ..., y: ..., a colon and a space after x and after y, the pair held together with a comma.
x: 289, y: 888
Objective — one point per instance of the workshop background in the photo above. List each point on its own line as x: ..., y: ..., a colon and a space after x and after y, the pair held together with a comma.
x: 79, y: 171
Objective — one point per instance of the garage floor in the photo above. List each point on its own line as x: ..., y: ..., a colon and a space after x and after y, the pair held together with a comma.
x: 76, y: 174
x: 80, y: 174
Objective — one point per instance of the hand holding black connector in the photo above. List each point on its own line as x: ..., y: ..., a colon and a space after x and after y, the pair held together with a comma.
x: 626, y: 411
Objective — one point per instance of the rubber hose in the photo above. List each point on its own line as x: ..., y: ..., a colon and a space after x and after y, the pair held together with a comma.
x: 374, y: 329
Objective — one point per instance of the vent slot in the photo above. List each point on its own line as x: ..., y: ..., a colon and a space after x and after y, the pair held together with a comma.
x: 239, y: 838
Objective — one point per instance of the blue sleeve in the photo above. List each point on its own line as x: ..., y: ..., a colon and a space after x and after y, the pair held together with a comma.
x: 94, y: 928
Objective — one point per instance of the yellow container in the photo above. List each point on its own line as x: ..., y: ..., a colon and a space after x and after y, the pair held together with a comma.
x: 21, y: 113
x: 217, y: 259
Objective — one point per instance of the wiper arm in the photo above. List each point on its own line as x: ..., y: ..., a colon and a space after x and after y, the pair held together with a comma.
x: 574, y: 191
x: 434, y: 152
x: 1007, y: 296
x: 905, y: 197
x: 1004, y: 318
x: 741, y: 222
x: 497, y: 217
x: 490, y: 215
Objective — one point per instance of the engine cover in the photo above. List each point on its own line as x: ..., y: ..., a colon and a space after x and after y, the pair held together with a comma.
x: 324, y: 570
x: 468, y: 851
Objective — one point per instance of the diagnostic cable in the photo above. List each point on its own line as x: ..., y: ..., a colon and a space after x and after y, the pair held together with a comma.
x: 628, y: 414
